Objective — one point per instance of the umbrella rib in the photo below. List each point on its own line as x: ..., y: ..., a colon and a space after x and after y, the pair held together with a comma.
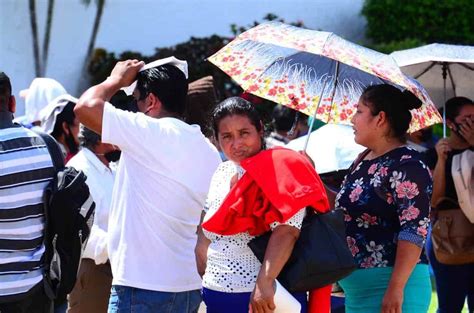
x: 452, y: 80
x: 466, y: 66
x: 425, y: 70
x: 336, y: 74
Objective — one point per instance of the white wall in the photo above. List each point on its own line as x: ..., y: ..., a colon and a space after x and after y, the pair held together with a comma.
x: 143, y: 25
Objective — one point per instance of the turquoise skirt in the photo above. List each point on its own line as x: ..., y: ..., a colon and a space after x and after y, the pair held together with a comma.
x: 365, y: 288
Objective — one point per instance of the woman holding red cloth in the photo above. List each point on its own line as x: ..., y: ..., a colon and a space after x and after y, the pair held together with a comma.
x: 255, y: 191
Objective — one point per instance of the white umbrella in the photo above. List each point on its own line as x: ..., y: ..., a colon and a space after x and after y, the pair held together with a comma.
x: 444, y: 70
x: 332, y: 147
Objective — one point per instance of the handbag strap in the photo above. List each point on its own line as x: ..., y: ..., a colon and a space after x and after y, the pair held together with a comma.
x: 359, y: 159
x: 54, y: 150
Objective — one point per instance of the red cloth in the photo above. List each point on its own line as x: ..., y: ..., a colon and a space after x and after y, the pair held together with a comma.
x: 320, y: 300
x: 277, y: 184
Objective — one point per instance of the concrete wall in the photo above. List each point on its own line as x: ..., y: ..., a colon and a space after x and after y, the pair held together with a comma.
x: 143, y: 25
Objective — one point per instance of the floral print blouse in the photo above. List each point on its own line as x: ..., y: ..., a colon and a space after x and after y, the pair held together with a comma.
x: 385, y: 200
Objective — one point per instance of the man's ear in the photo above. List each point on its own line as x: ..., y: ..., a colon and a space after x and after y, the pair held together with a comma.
x: 12, y: 104
x: 154, y: 102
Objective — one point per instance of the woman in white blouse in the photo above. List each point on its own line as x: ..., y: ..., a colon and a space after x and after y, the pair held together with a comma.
x: 233, y: 279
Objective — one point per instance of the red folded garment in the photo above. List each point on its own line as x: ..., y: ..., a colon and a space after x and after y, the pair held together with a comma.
x: 277, y: 184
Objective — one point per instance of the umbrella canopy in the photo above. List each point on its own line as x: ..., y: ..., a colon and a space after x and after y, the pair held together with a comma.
x: 317, y: 73
x: 437, y: 64
x: 332, y: 147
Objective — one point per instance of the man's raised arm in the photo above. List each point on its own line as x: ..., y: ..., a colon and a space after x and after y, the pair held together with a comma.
x: 90, y: 107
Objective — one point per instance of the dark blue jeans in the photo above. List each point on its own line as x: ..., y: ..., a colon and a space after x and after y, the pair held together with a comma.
x: 128, y: 299
x: 454, y: 283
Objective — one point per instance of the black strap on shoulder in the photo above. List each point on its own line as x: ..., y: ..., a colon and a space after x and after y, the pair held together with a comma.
x: 359, y: 159
x: 54, y: 150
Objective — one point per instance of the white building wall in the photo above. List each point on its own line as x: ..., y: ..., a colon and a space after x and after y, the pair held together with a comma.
x: 143, y: 25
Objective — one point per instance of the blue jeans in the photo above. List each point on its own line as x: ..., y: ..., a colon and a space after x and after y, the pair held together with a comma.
x: 454, y: 283
x: 128, y: 299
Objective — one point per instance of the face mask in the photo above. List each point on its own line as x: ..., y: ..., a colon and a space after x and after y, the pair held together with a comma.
x: 112, y: 156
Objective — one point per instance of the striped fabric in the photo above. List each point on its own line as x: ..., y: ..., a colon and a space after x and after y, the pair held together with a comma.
x: 26, y: 169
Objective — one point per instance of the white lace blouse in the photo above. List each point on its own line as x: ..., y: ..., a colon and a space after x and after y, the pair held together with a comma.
x: 231, y: 265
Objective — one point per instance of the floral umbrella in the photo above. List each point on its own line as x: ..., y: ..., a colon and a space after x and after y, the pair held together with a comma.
x: 317, y: 73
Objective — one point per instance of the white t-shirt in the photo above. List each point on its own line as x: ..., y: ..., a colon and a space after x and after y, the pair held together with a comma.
x: 161, y: 184
x: 231, y: 265
x: 100, y: 180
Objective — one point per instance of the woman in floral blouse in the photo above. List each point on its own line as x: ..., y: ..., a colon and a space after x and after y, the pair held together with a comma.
x: 386, y: 198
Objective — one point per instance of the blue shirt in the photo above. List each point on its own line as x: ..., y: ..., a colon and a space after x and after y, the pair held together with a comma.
x: 385, y: 200
x: 26, y: 169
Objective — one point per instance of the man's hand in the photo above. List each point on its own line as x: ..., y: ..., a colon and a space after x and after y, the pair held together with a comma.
x: 261, y: 300
x: 442, y: 149
x: 466, y: 130
x: 124, y: 72
x: 392, y: 300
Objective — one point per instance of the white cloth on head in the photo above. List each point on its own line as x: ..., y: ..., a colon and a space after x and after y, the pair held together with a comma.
x: 49, y: 114
x: 100, y: 180
x: 180, y: 64
x: 161, y: 185
x: 41, y: 92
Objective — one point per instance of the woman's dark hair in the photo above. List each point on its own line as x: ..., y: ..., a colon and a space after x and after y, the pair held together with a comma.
x: 168, y: 83
x: 235, y: 106
x: 395, y: 103
x: 454, y: 106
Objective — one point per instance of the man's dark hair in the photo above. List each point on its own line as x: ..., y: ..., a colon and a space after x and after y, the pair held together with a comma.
x: 283, y: 118
x: 168, y: 84
x: 5, y: 91
x: 88, y: 138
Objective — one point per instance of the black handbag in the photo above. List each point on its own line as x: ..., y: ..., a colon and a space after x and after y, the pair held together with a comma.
x: 320, y: 256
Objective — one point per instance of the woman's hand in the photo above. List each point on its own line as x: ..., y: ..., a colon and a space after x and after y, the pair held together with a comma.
x: 392, y: 300
x: 261, y: 300
x: 442, y: 149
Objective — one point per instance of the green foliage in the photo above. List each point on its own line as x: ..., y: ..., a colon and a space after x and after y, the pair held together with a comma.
x: 428, y: 21
x: 397, y: 45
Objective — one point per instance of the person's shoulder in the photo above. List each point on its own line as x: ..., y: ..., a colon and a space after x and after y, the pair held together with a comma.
x: 409, y: 159
x: 226, y: 168
x: 16, y: 131
x: 79, y: 161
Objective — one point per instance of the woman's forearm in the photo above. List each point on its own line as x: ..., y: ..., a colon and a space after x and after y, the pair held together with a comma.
x: 278, y: 251
x: 407, y: 257
x: 439, y: 182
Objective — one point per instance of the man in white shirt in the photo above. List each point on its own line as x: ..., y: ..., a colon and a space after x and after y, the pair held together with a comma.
x: 161, y: 185
x: 92, y: 290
